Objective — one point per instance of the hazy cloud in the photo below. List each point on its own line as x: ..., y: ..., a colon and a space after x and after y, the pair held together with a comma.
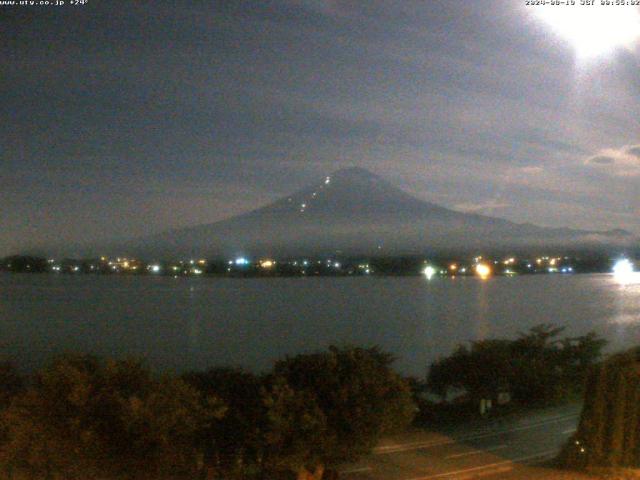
x: 635, y: 151
x: 181, y: 109
x: 623, y: 162
x: 601, y: 160
x: 484, y: 207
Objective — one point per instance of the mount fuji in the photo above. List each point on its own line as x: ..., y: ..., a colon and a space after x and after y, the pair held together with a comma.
x: 354, y: 211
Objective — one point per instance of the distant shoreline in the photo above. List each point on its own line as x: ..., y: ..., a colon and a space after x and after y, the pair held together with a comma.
x: 325, y: 266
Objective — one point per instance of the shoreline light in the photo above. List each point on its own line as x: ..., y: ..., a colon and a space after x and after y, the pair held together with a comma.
x: 429, y: 272
x: 624, y: 271
x: 483, y: 270
x: 623, y: 267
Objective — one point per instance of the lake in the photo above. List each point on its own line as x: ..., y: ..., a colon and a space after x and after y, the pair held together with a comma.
x: 178, y: 324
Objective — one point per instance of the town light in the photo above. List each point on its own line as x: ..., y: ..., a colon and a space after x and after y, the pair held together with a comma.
x: 429, y: 272
x: 623, y: 267
x: 483, y: 270
x: 623, y: 271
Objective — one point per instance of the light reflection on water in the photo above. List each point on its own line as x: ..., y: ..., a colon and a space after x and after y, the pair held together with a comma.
x: 627, y: 304
x: 482, y: 319
x: 628, y: 279
x: 183, y: 323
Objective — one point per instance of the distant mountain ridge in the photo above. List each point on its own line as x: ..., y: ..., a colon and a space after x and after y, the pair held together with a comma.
x: 354, y: 211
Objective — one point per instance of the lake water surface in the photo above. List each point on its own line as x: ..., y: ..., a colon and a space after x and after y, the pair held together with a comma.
x: 194, y: 323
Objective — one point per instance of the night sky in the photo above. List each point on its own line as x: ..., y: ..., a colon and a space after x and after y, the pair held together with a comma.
x: 121, y: 119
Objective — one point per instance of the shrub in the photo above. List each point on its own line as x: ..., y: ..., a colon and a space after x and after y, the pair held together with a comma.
x: 85, y: 418
x: 607, y: 434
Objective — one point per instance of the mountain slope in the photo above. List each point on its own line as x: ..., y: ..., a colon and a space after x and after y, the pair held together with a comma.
x: 355, y: 211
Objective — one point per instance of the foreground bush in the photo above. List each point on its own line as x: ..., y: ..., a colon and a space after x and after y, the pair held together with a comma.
x: 608, y: 434
x: 85, y: 418
x: 340, y: 401
x: 232, y: 444
x: 536, y: 367
x: 11, y: 383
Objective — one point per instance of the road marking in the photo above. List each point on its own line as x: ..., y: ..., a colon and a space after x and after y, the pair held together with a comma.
x: 571, y: 430
x: 484, y: 473
x: 476, y: 452
x: 433, y: 443
x: 540, y: 456
x: 356, y: 470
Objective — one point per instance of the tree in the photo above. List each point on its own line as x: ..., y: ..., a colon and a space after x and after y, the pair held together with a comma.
x: 11, y: 383
x: 535, y: 367
x: 342, y: 401
x: 232, y: 442
x: 537, y: 363
x: 607, y: 434
x: 295, y: 432
x: 578, y: 355
x: 482, y: 370
x: 86, y: 418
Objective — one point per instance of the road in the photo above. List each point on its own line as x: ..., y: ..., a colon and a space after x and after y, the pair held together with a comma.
x: 496, y: 448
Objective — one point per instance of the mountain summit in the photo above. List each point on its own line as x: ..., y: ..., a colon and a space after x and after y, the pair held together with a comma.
x: 355, y: 211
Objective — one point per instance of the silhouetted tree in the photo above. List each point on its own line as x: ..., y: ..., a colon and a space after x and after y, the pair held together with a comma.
x: 481, y: 369
x: 85, y: 418
x: 607, y: 434
x: 232, y: 442
x: 11, y: 383
x: 296, y: 433
x: 346, y: 397
x: 535, y: 367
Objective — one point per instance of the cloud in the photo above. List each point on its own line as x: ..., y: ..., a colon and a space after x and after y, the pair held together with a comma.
x: 601, y: 160
x: 265, y: 96
x: 483, y: 207
x: 621, y: 162
x: 635, y: 151
x: 532, y: 170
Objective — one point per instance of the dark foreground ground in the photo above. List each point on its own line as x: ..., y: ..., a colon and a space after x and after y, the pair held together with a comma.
x: 519, y: 446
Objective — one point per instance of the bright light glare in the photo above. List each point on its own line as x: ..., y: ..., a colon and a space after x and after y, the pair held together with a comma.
x: 623, y: 271
x: 429, y: 272
x: 483, y: 270
x: 594, y: 29
x: 623, y: 267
